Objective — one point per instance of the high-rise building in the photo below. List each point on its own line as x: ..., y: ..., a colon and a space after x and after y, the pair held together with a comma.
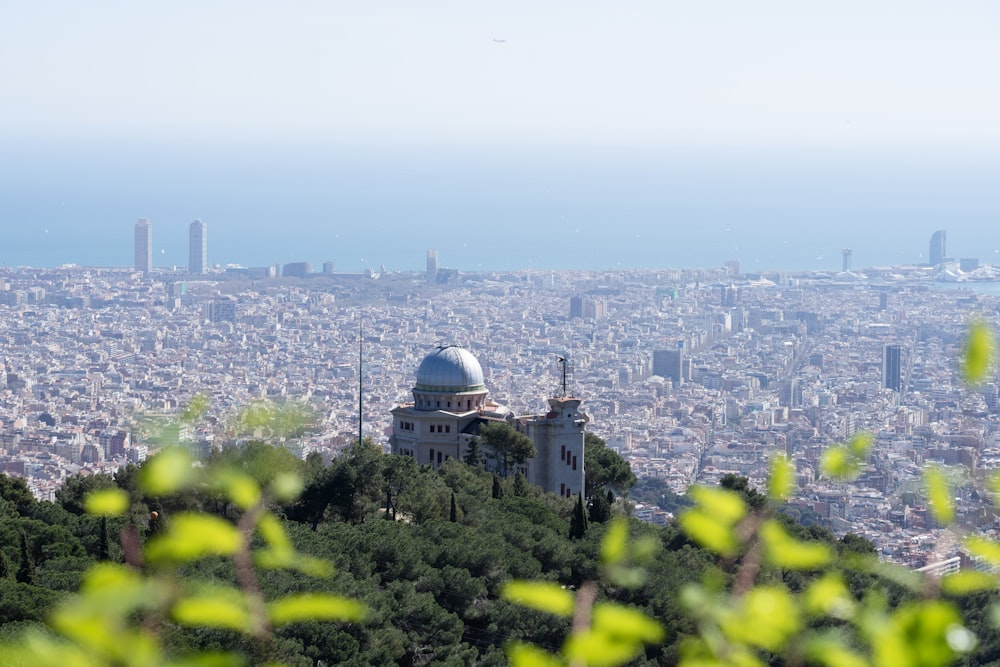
x: 938, y: 249
x: 669, y: 364
x: 847, y: 258
x: 432, y: 265
x: 892, y: 376
x: 143, y: 246
x: 198, y: 248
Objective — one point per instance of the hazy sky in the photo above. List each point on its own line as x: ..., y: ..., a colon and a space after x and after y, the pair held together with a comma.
x: 847, y: 74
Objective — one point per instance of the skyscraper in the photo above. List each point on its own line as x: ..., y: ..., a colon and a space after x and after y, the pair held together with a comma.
x: 143, y: 246
x: 669, y: 364
x: 846, y: 252
x: 197, y: 248
x: 892, y: 377
x: 938, y: 250
x: 432, y: 265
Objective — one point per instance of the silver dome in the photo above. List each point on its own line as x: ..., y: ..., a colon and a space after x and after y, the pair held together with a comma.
x: 450, y: 369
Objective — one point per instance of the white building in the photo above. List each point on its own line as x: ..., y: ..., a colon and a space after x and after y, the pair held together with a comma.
x: 450, y: 405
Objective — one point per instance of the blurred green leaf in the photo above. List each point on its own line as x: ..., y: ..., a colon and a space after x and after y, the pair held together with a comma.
x: 860, y: 445
x: 709, y: 532
x: 168, y: 472
x: 522, y: 654
x: 239, y: 487
x: 614, y: 546
x: 987, y: 550
x: 626, y: 623
x: 939, y: 496
x: 106, y: 502
x: 727, y: 506
x: 598, y: 650
x: 782, y: 550
x: 195, y: 408
x: 979, y: 352
x: 833, y: 650
x: 315, y: 607
x: 781, y: 479
x: 541, y: 595
x: 829, y: 596
x: 286, y: 487
x: 191, y: 536
x: 766, y: 617
x: 216, y: 607
x: 967, y: 581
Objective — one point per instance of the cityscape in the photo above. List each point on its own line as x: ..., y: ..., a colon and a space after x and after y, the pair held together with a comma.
x: 689, y: 375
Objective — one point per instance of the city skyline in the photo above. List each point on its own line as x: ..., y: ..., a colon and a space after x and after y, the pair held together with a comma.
x: 657, y: 134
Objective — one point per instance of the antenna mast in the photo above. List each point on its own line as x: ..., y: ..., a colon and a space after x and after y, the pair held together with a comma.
x: 562, y: 360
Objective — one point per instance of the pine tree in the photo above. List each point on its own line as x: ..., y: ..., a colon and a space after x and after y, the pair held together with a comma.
x: 26, y: 570
x: 454, y: 509
x: 497, y: 486
x: 4, y: 566
x: 578, y: 524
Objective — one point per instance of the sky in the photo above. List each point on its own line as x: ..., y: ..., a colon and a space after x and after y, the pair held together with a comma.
x: 901, y: 86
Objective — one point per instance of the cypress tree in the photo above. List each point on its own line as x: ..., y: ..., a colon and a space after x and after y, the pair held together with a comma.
x: 26, y: 570
x: 497, y: 486
x: 454, y: 509
x: 103, y: 550
x: 520, y: 486
x: 578, y: 524
x: 4, y: 566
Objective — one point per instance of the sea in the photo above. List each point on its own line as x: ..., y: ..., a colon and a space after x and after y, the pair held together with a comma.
x: 489, y: 207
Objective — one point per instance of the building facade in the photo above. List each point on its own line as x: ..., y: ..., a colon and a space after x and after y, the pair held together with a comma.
x: 938, y: 247
x: 892, y: 375
x: 198, y: 248
x: 143, y: 246
x: 451, y: 404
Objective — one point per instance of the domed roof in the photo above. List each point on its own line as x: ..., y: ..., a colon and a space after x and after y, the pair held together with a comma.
x: 450, y: 369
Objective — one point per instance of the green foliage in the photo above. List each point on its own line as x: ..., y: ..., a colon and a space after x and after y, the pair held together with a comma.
x: 979, y: 352
x: 604, y: 468
x: 511, y: 447
x: 125, y: 614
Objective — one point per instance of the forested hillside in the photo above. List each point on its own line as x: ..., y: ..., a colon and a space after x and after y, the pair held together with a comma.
x: 427, y: 552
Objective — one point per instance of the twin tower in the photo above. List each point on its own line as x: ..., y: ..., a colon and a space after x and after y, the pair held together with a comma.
x: 197, y: 247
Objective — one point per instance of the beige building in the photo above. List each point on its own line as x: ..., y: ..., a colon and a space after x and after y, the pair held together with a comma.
x: 450, y: 405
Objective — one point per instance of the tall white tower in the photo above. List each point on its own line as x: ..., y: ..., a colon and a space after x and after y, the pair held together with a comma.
x: 432, y: 265
x: 198, y: 248
x: 143, y: 246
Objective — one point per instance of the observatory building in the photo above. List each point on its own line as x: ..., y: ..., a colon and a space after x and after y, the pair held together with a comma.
x: 451, y: 404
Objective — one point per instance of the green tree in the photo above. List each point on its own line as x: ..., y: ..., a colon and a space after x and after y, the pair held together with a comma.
x: 604, y: 469
x: 26, y: 568
x: 578, y: 524
x: 497, y: 487
x: 520, y: 486
x: 599, y: 509
x: 511, y: 447
x: 453, y: 514
x: 473, y: 454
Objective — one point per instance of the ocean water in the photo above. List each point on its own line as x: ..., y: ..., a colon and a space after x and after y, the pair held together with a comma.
x: 489, y: 208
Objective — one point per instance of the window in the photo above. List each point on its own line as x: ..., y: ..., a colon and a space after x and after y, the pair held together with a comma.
x: 432, y: 456
x: 574, y: 463
x: 439, y: 458
x: 447, y: 429
x: 562, y: 456
x: 562, y: 489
